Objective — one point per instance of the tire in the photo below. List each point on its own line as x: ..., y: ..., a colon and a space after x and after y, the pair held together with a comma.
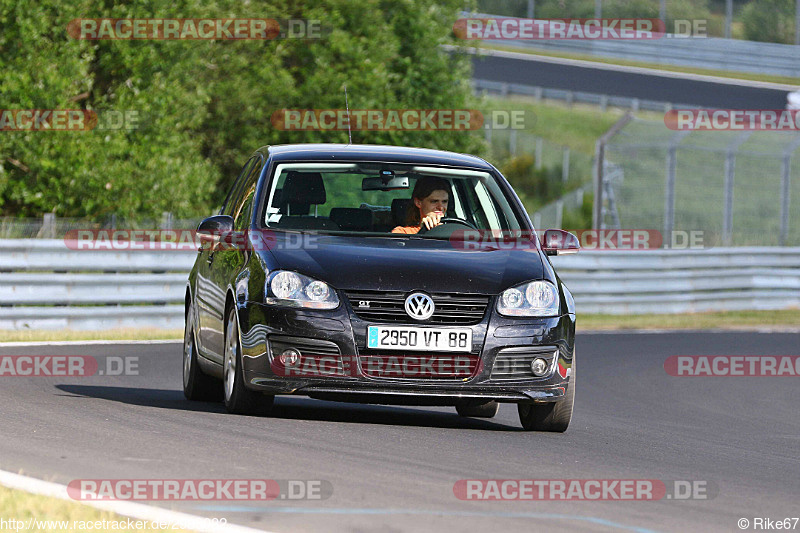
x: 552, y: 416
x: 197, y: 386
x: 478, y: 410
x: 239, y: 399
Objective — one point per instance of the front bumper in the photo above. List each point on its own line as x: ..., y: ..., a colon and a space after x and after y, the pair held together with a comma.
x: 341, y: 331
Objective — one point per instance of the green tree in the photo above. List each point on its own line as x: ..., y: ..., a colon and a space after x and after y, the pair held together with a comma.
x: 203, y: 106
x: 769, y: 20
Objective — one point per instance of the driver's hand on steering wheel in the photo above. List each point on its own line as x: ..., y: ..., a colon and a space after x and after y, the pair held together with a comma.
x: 431, y: 220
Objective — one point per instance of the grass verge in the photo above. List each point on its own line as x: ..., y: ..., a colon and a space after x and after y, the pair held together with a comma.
x: 121, y: 334
x: 576, y: 126
x: 733, y: 320
x: 52, y: 514
x: 643, y: 64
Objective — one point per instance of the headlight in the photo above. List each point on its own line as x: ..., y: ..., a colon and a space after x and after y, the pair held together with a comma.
x: 296, y: 290
x: 537, y: 298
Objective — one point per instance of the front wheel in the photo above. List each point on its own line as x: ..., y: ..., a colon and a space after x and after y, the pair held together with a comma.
x: 239, y: 399
x: 197, y: 386
x: 552, y: 416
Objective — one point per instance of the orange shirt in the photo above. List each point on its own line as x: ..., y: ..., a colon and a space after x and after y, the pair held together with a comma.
x: 406, y: 229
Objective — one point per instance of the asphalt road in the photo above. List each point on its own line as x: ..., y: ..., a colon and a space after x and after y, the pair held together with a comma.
x: 527, y: 70
x: 393, y: 468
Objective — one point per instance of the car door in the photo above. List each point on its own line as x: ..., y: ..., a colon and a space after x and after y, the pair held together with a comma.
x: 210, y: 290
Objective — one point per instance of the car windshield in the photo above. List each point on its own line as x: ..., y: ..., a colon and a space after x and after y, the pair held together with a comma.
x: 368, y: 198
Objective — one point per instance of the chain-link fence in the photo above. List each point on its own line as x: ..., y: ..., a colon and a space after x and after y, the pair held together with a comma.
x: 52, y: 227
x: 738, y: 188
x: 545, y: 175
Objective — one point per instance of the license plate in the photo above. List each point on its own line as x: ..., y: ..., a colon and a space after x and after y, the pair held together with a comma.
x: 423, y: 339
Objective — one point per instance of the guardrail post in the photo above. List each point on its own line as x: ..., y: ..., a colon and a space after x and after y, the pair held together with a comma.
x: 559, y: 213
x: 727, y: 194
x: 538, y: 153
x: 785, y: 191
x: 786, y: 178
x: 728, y: 17
x: 669, y: 191
x: 797, y: 22
x: 48, y: 230
x: 565, y: 165
x: 603, y: 102
x: 512, y: 142
x: 599, y: 159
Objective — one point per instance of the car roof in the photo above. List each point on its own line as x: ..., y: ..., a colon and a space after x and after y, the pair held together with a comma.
x: 372, y: 152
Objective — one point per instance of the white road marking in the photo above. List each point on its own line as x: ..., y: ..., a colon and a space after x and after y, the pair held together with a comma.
x: 130, y: 509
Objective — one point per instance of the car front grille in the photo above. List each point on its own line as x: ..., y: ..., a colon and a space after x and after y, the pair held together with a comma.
x: 515, y: 363
x: 419, y: 365
x: 451, y: 309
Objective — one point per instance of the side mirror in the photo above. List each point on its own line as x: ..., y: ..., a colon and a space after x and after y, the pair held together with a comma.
x: 211, y: 230
x: 559, y: 242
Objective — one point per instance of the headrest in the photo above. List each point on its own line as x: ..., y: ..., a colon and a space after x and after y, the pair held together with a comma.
x: 352, y: 218
x: 399, y: 210
x: 303, y: 188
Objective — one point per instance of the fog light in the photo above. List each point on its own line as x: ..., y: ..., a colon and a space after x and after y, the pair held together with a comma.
x: 539, y: 367
x: 289, y: 357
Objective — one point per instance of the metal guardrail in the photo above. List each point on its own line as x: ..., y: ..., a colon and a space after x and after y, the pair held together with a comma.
x: 44, y: 285
x: 570, y: 97
x: 699, y: 52
x: 680, y: 281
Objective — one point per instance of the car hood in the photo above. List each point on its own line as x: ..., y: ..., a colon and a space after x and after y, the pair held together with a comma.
x: 402, y: 264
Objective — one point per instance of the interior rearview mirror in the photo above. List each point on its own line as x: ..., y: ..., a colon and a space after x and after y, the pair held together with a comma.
x: 388, y: 182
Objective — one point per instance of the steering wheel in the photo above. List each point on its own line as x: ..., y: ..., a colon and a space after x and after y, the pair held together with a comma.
x: 448, y: 220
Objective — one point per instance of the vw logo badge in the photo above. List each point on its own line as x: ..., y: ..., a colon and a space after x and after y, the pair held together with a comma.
x: 419, y: 306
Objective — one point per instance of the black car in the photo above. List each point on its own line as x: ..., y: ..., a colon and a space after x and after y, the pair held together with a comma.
x: 321, y: 277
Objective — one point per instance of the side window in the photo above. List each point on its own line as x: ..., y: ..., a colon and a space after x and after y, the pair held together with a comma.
x: 242, y: 219
x: 243, y: 202
x: 230, y: 201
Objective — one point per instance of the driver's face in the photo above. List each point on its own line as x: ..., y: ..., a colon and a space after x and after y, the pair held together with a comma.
x: 436, y: 201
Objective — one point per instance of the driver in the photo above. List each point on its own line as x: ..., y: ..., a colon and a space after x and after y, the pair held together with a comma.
x: 429, y: 204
